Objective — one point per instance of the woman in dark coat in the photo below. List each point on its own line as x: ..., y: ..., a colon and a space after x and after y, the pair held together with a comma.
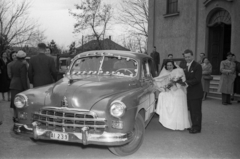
x: 236, y: 89
x: 4, y: 79
x: 206, y: 72
x: 19, y: 78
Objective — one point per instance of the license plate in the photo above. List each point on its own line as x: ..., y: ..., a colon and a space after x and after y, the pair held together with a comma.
x: 59, y: 136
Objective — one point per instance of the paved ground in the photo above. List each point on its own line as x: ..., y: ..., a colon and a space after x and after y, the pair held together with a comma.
x: 220, y: 138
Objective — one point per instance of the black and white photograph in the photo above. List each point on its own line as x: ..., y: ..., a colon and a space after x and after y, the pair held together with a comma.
x: 109, y: 79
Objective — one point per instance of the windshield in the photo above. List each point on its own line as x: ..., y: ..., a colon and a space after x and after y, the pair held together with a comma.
x: 105, y: 65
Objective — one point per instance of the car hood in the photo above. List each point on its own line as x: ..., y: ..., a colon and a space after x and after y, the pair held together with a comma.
x: 84, y: 92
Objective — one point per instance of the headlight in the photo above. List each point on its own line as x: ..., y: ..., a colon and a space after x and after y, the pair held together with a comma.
x: 117, y: 109
x: 20, y: 101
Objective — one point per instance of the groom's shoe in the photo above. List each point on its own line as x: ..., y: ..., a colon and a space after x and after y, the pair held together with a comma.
x: 194, y: 131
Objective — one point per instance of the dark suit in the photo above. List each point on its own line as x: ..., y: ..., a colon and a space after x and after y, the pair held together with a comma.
x: 42, y: 70
x: 156, y: 58
x: 18, y: 83
x: 194, y: 93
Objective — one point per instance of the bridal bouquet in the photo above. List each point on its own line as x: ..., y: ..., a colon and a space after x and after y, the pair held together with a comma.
x: 173, y: 82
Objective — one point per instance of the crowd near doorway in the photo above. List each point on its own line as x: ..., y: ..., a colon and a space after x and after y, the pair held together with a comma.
x: 219, y: 38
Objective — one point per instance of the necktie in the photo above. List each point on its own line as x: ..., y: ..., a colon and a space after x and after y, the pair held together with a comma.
x: 188, y: 65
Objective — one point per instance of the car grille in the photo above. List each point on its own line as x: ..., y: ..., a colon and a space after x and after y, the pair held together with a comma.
x: 68, y: 120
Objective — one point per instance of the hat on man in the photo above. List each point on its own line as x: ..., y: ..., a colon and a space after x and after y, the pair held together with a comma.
x: 21, y: 54
x: 42, y: 46
x: 230, y: 54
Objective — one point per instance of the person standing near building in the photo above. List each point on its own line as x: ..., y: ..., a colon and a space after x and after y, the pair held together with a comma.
x: 170, y: 56
x: 42, y: 70
x: 206, y: 76
x: 227, y: 68
x: 236, y: 89
x: 18, y: 83
x: 156, y: 58
x: 202, y: 55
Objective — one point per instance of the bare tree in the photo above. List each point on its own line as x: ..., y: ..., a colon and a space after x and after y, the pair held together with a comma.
x: 91, y: 15
x: 134, y: 15
x: 136, y: 44
x: 15, y: 25
x: 36, y: 37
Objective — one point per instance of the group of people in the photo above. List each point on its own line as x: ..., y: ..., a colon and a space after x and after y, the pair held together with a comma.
x: 184, y: 86
x: 17, y: 74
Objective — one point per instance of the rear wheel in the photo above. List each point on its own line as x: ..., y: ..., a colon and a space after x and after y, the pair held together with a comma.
x: 134, y: 145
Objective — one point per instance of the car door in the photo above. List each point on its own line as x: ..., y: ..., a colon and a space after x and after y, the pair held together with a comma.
x: 149, y: 88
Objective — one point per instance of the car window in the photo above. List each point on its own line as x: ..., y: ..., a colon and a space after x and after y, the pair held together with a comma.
x: 106, y: 65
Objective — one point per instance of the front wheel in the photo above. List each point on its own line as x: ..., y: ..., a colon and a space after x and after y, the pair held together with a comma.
x: 134, y: 145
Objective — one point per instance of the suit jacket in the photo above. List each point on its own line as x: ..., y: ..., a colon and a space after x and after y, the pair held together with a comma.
x: 42, y: 70
x: 18, y: 71
x: 193, y: 79
x: 156, y: 58
x: 9, y: 69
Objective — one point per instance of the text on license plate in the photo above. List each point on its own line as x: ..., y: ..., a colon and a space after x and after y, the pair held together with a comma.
x: 59, y: 136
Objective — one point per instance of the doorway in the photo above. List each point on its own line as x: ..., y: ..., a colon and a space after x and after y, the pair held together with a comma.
x: 219, y: 39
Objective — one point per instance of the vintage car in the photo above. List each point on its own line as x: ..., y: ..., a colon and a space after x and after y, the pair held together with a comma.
x: 105, y: 98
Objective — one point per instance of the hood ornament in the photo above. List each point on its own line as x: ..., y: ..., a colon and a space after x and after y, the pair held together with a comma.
x: 64, y: 102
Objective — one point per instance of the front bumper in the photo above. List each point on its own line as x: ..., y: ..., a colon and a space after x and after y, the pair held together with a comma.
x: 85, y: 137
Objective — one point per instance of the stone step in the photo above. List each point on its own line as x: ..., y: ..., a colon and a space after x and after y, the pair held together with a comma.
x: 215, y: 95
x: 213, y: 90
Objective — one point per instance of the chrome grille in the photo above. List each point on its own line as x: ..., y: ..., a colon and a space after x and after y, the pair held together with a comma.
x: 68, y: 120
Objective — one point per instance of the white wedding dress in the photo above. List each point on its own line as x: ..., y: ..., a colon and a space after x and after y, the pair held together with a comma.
x: 172, y: 104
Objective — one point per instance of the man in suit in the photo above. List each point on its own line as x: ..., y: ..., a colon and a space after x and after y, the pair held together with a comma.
x: 42, y: 70
x: 193, y: 72
x: 202, y: 55
x: 156, y: 58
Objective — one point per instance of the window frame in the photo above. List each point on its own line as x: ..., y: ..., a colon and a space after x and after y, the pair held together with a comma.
x: 174, y: 11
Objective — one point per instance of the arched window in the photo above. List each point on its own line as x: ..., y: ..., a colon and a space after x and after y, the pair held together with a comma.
x: 172, y: 6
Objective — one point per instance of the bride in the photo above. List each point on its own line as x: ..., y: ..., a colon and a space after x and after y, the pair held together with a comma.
x: 172, y: 100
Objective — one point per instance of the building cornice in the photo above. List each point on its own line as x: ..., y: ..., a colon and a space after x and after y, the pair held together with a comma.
x: 206, y: 2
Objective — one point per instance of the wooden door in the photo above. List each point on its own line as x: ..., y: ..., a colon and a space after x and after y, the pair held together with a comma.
x: 215, y: 47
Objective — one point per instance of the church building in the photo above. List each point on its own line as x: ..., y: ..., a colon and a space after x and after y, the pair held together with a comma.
x: 208, y: 26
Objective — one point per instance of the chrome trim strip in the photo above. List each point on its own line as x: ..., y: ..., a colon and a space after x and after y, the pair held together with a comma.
x: 66, y: 108
x: 74, y: 125
x: 105, y: 138
x: 71, y: 118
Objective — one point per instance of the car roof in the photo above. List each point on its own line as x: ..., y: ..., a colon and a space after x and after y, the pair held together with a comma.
x: 118, y: 53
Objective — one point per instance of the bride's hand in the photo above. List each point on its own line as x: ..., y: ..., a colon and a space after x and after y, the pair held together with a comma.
x: 161, y: 89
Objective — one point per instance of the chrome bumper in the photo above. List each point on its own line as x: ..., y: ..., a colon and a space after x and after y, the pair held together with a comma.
x: 105, y: 138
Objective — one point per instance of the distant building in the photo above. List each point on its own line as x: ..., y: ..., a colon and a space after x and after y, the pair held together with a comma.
x: 106, y: 44
x: 210, y: 26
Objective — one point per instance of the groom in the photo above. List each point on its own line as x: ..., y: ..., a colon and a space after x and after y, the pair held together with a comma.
x: 193, y: 72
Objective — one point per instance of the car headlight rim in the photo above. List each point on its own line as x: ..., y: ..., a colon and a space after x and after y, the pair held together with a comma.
x: 20, y: 101
x: 117, y: 109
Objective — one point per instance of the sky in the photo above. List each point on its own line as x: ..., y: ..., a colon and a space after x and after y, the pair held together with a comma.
x: 53, y: 17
